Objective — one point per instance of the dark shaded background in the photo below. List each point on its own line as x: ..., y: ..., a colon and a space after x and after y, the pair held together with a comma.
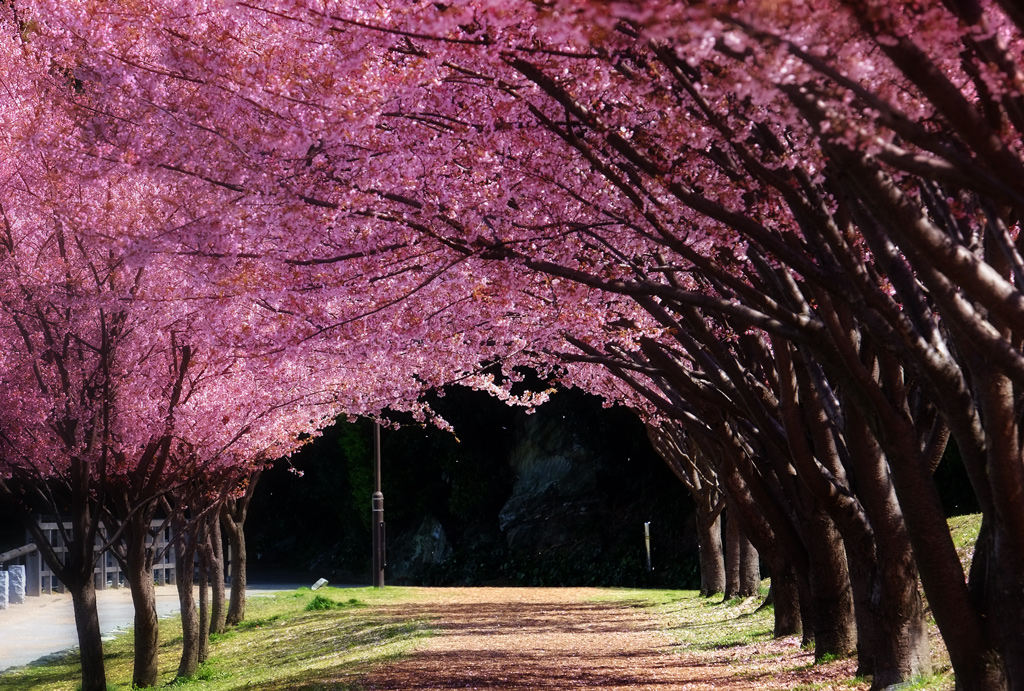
x: 585, y: 529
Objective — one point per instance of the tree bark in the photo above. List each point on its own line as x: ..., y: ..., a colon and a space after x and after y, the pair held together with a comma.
x: 87, y: 624
x: 147, y: 628
x: 785, y: 596
x: 788, y: 558
x: 750, y: 568
x: 218, y: 610
x: 835, y: 628
x: 978, y: 665
x: 733, y: 557
x: 234, y: 530
x: 204, y: 608
x: 138, y: 565
x: 700, y: 478
x: 205, y: 553
x: 892, y: 642
x: 712, y: 560
x: 184, y: 565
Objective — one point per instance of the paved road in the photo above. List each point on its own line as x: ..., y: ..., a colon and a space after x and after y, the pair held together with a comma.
x: 45, y: 625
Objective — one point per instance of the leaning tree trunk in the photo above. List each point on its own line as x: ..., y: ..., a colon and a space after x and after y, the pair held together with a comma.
x: 699, y: 477
x: 776, y: 538
x: 997, y: 574
x: 977, y: 663
x: 75, y: 567
x: 892, y: 642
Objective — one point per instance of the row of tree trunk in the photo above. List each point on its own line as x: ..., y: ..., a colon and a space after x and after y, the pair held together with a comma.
x: 199, y: 540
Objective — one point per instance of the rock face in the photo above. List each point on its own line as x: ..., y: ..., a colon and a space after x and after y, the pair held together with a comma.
x: 586, y: 481
x: 427, y: 547
x: 558, y: 497
x: 555, y: 500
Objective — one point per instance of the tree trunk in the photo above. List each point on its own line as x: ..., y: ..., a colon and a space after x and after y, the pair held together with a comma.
x: 750, y: 568
x: 743, y: 571
x: 75, y: 566
x: 835, y: 628
x: 712, y: 560
x: 204, y: 617
x: 87, y: 623
x: 892, y: 644
x: 700, y: 477
x: 785, y: 594
x: 184, y: 565
x: 218, y: 610
x: 235, y: 532
x: 995, y: 580
x: 892, y: 636
x: 205, y: 555
x: 139, y: 563
x: 997, y: 575
x: 788, y: 557
x: 732, y: 557
x: 977, y: 663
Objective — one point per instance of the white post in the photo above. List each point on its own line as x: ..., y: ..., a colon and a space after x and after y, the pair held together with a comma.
x: 647, y: 541
x: 17, y: 584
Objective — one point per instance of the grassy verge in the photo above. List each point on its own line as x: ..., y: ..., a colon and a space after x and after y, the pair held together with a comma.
x: 327, y: 640
x: 739, y: 630
x: 295, y: 640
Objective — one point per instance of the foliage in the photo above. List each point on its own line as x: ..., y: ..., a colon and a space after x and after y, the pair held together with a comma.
x: 321, y: 602
x: 788, y: 225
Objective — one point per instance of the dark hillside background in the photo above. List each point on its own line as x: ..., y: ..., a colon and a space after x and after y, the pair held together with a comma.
x: 557, y: 497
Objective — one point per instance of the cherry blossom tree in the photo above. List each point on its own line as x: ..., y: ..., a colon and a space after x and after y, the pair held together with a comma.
x: 845, y: 178
x: 138, y: 356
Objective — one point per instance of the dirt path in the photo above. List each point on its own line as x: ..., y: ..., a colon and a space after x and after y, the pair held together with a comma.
x: 546, y: 639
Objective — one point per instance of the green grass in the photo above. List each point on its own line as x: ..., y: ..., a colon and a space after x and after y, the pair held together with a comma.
x: 296, y: 640
x: 702, y: 623
x: 965, y: 532
x: 321, y: 603
x: 326, y: 640
x: 709, y: 624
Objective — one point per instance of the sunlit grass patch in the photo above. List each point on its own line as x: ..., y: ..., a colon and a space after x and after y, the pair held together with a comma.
x: 286, y: 642
x: 321, y: 602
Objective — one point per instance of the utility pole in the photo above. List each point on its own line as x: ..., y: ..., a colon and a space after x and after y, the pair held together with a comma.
x: 377, y: 521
